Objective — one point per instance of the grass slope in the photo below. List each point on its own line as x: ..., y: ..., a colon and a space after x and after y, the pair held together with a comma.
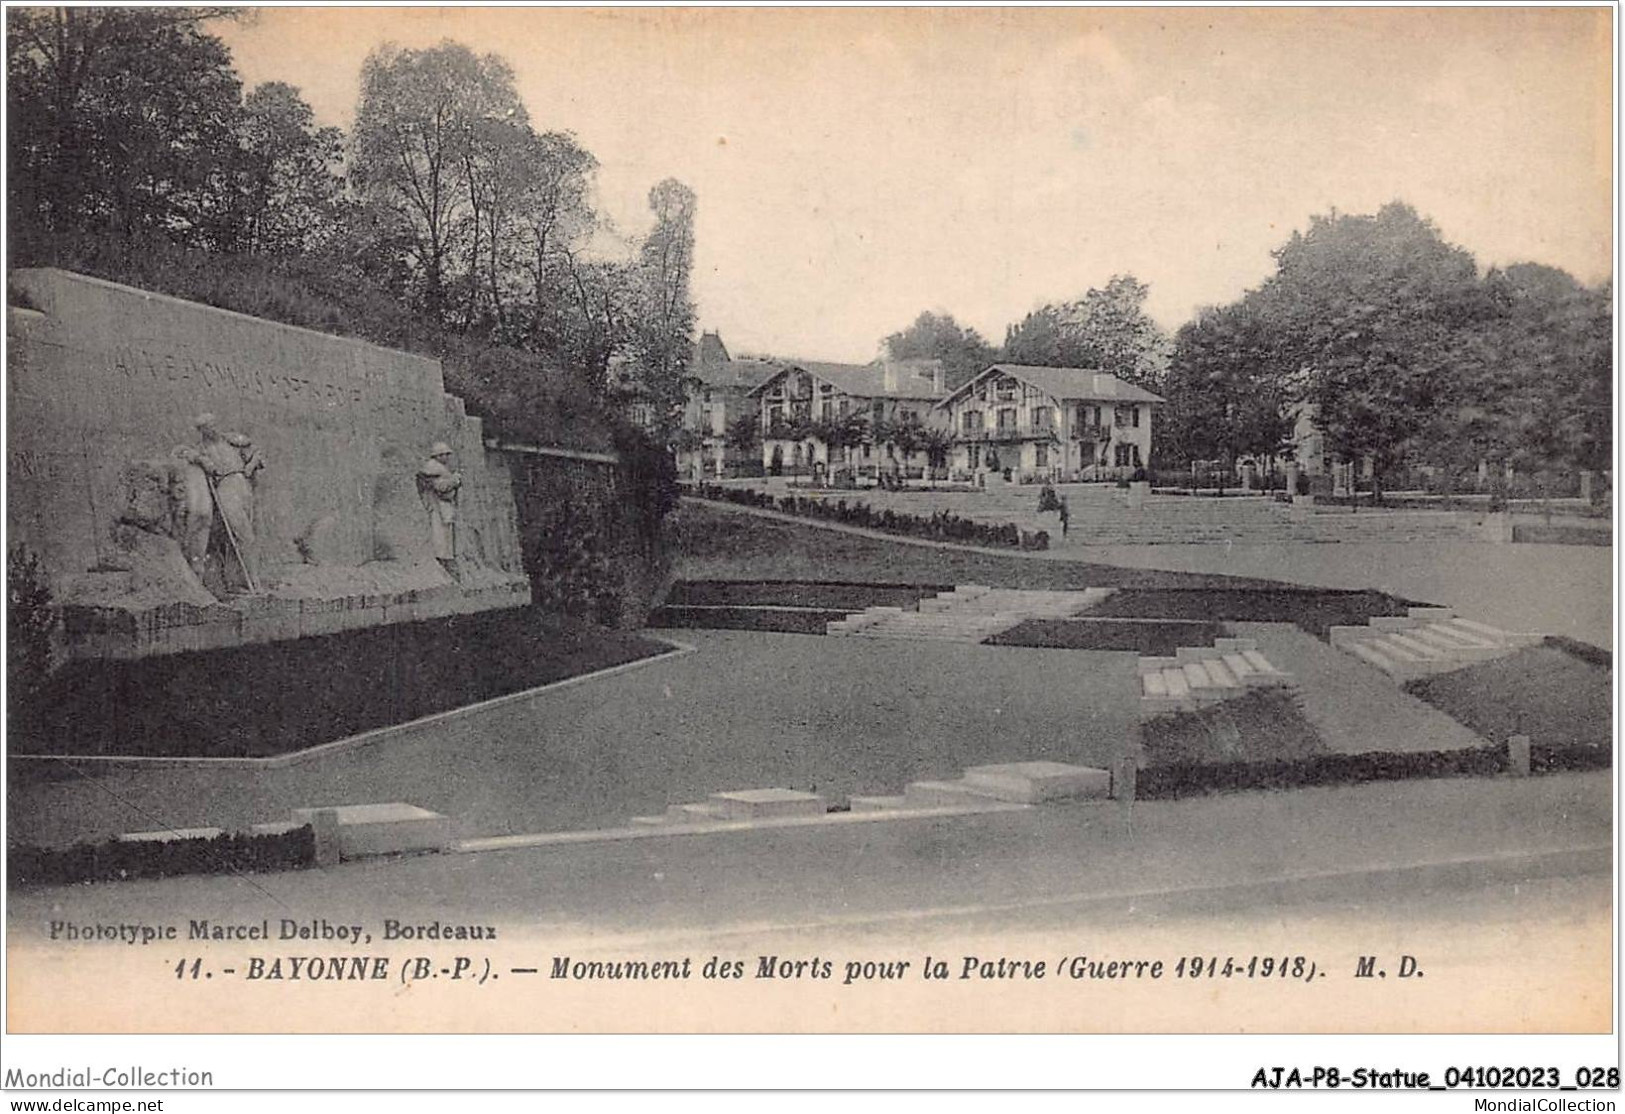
x: 1544, y: 692
x: 263, y: 700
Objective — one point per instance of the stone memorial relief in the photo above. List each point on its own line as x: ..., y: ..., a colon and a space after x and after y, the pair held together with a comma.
x: 324, y: 484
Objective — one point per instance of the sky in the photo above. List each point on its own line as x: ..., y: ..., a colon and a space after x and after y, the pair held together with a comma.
x: 855, y: 167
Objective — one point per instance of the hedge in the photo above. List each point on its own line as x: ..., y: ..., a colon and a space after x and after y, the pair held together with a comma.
x: 113, y: 860
x: 848, y: 595
x: 1154, y: 637
x: 941, y: 526
x: 1187, y: 779
x: 780, y: 620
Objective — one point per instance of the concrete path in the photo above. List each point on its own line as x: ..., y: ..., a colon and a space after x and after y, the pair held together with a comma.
x: 1356, y: 707
x: 1554, y: 589
x: 868, y: 873
x: 748, y: 710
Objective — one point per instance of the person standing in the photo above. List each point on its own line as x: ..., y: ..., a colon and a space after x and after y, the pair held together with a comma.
x: 224, y: 477
x: 1066, y: 516
x: 438, y: 487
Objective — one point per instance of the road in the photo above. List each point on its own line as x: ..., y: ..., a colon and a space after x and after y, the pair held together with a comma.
x: 1497, y: 886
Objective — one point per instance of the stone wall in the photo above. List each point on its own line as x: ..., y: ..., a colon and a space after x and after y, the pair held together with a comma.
x: 104, y: 382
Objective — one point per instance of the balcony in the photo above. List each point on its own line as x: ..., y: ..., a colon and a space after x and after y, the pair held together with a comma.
x: 1097, y: 433
x: 1007, y: 434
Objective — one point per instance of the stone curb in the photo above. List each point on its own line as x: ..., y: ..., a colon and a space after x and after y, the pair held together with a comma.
x: 365, y: 738
x: 617, y: 835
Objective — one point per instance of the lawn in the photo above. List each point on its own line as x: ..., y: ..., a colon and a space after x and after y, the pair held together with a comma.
x: 1544, y: 692
x: 253, y: 701
x: 716, y: 543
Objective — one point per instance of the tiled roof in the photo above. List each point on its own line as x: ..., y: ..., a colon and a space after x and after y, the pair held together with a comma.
x: 1063, y: 383
x: 911, y: 379
x: 743, y: 375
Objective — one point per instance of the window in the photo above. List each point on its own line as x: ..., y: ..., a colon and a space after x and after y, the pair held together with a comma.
x: 879, y: 410
x: 1120, y: 454
x: 1042, y: 417
x: 846, y: 405
x: 1041, y: 456
x: 908, y: 417
x: 1007, y: 389
x: 1134, y: 416
x: 973, y: 421
x: 973, y: 456
x: 1007, y: 418
x: 1119, y: 417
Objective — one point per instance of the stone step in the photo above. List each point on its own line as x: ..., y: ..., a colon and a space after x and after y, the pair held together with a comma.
x: 1240, y: 668
x: 1500, y: 637
x: 1432, y: 614
x: 1418, y: 647
x: 696, y: 813
x: 945, y: 794
x: 1173, y: 681
x: 1371, y: 652
x: 1033, y: 782
x: 384, y: 829
x: 881, y: 804
x: 1236, y: 644
x: 1459, y: 651
x: 1220, y: 674
x: 1153, y: 685
x: 767, y: 804
x: 1462, y: 637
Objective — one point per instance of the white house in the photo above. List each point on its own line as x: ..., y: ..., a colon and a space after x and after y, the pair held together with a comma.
x: 1049, y: 422
x: 806, y: 394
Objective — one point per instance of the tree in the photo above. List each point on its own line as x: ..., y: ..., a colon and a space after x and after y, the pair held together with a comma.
x: 963, y: 351
x: 664, y: 334
x: 1375, y: 308
x: 1106, y: 329
x: 937, y: 443
x: 287, y: 187
x: 1544, y: 395
x: 553, y: 215
x: 121, y: 120
x: 420, y: 150
x: 744, y: 435
x: 1227, y: 396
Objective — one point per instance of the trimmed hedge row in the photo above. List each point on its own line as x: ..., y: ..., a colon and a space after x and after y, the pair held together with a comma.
x: 1548, y: 534
x: 1190, y: 779
x: 780, y: 620
x: 941, y: 526
x: 1152, y: 637
x: 848, y: 595
x: 1313, y: 610
x: 114, y: 860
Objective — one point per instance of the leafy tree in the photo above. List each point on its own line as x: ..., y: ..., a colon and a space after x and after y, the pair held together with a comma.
x: 121, y: 120
x: 663, y: 338
x: 937, y: 443
x: 744, y: 435
x: 1106, y: 329
x: 963, y: 351
x: 288, y: 189
x: 1544, y: 395
x: 418, y: 151
x: 1227, y: 397
x: 1375, y: 308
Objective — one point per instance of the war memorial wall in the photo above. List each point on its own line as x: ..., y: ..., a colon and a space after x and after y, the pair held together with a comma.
x: 366, y: 495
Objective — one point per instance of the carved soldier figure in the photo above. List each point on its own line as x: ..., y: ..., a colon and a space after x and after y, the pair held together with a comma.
x: 437, y: 487
x: 217, y: 481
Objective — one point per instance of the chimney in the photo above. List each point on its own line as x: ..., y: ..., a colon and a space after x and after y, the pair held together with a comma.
x: 937, y: 383
x: 888, y: 376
